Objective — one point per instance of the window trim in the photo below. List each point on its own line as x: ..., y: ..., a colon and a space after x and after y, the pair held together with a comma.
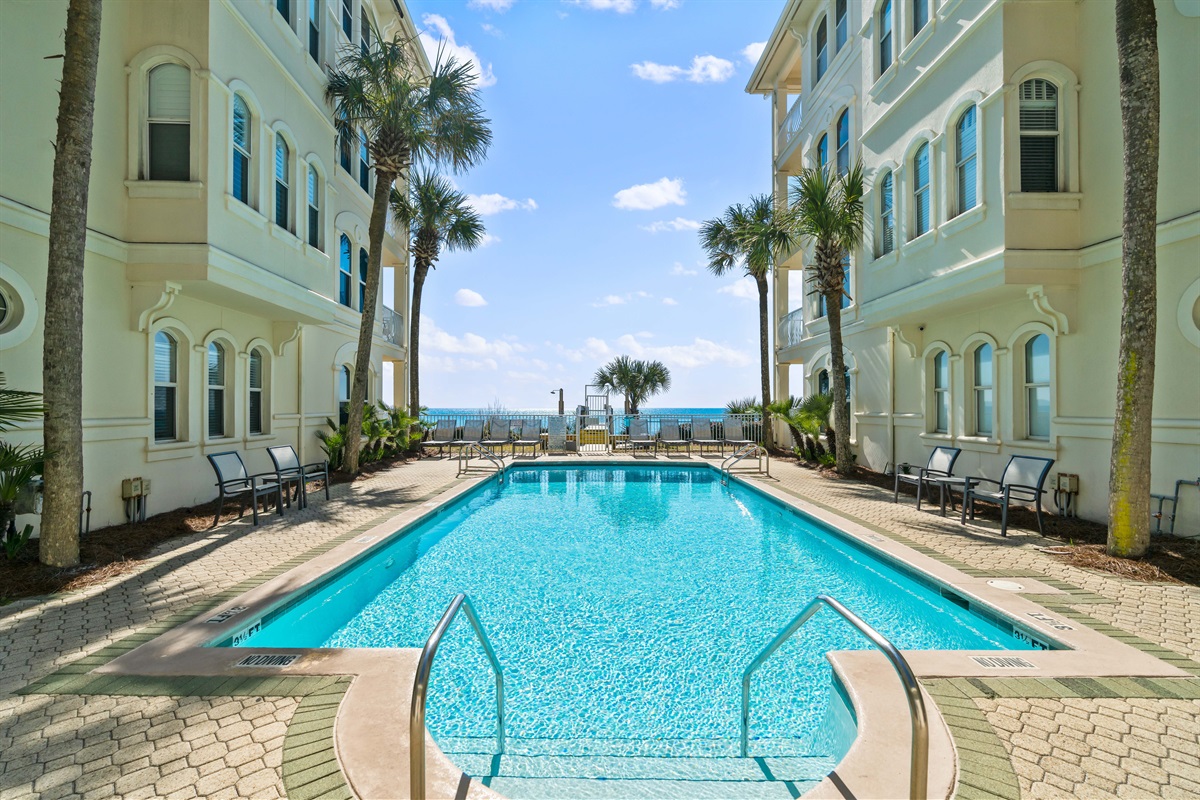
x: 248, y: 153
x: 137, y: 146
x: 222, y: 347
x: 345, y: 277
x: 148, y: 121
x: 841, y: 25
x: 887, y: 213
x: 184, y: 426
x: 167, y: 384
x: 972, y: 350
x: 819, y: 71
x: 1028, y: 384
x: 958, y: 207
x: 940, y: 394
x: 364, y: 162
x: 1068, y: 194
x: 918, y: 189
x: 887, y: 9
x: 263, y: 350
x: 821, y: 151
x: 313, y: 168
x: 280, y: 138
x: 1016, y: 391
x: 314, y: 30
x: 361, y: 278
x: 840, y: 148
x: 342, y: 400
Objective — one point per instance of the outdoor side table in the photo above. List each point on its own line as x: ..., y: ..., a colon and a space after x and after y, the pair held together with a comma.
x: 947, y: 484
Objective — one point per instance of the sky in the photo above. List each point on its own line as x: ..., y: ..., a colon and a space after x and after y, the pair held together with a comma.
x: 618, y: 127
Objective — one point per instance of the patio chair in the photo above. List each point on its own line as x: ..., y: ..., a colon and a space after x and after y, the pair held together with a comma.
x: 733, y: 435
x: 669, y: 435
x: 442, y: 437
x: 703, y: 435
x: 498, y: 433
x: 289, y: 470
x: 940, y: 465
x: 472, y: 433
x: 233, y: 481
x: 1023, y: 479
x: 639, y: 435
x: 530, y: 435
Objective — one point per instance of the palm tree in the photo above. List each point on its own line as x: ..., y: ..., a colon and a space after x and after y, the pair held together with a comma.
x: 829, y: 210
x: 435, y: 216
x: 19, y: 464
x: 1129, y: 478
x: 754, y: 237
x: 637, y: 380
x: 62, y: 351
x: 407, y: 118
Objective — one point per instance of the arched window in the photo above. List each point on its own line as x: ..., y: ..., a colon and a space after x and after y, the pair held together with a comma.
x: 345, y: 145
x: 216, y: 391
x: 846, y: 280
x: 241, y: 149
x: 887, y: 215
x: 364, y: 31
x: 1037, y: 387
x: 1039, y: 135
x: 314, y: 30
x: 343, y: 394
x: 282, y: 185
x: 964, y: 153
x: 823, y: 151
x: 941, y: 392
x: 345, y: 276
x: 314, y: 207
x: 920, y: 15
x: 255, y: 405
x: 823, y: 382
x: 984, y: 379
x: 348, y: 19
x: 362, y: 278
x: 166, y: 387
x: 168, y: 121
x: 841, y: 24
x: 921, y: 201
x: 843, y: 143
x: 284, y: 7
x: 822, y: 45
x: 364, y: 162
x: 885, y: 36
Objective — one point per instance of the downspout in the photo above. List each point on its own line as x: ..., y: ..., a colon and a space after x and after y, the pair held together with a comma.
x: 892, y: 396
x: 301, y: 438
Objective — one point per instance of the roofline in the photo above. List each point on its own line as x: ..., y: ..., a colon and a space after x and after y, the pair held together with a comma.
x: 777, y: 35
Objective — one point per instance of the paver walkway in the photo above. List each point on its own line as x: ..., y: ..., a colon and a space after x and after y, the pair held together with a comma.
x: 1015, y: 738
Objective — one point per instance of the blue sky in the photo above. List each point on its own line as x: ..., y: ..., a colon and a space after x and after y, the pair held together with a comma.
x: 618, y: 126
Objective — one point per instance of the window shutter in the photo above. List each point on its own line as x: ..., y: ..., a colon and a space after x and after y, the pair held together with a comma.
x: 164, y: 358
x: 170, y: 93
x: 164, y: 413
x: 1039, y: 163
x: 255, y: 370
x: 241, y: 123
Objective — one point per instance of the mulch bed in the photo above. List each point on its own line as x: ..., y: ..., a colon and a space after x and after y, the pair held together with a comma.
x: 118, y: 549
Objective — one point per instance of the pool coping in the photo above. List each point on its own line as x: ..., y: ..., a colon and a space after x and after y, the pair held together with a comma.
x: 371, y: 748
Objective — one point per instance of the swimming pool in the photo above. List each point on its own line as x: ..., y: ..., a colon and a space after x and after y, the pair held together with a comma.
x: 624, y: 603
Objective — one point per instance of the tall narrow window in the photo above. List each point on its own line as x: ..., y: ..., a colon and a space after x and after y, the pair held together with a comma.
x: 364, y: 32
x: 965, y: 148
x: 314, y: 207
x: 823, y: 151
x: 841, y: 24
x: 941, y: 392
x: 314, y: 30
x: 282, y: 188
x: 255, y: 405
x: 216, y: 391
x: 920, y: 9
x: 168, y: 121
x: 823, y: 382
x: 1037, y: 387
x: 362, y: 279
x: 843, y: 143
x: 984, y: 385
x: 921, y: 204
x: 1039, y: 136
x: 284, y: 7
x: 822, y: 44
x: 166, y: 387
x: 241, y: 149
x: 846, y: 281
x: 344, y: 394
x: 345, y: 277
x: 364, y: 162
x: 885, y: 37
x: 887, y: 215
x: 348, y: 19
x: 345, y: 145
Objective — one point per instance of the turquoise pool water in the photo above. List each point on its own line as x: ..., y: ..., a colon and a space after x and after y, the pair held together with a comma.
x: 624, y: 603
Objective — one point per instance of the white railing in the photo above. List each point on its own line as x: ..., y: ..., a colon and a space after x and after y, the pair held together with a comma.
x: 791, y: 125
x: 791, y: 329
x: 392, y: 326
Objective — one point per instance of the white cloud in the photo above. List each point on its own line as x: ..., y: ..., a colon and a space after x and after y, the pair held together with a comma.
x: 700, y: 352
x: 704, y: 69
x: 680, y: 269
x: 619, y: 6
x: 670, y: 301
x: 677, y: 224
x: 488, y: 204
x: 647, y: 196
x: 593, y: 349
x: 489, y: 239
x: 743, y: 288
x: 499, y: 6
x: 437, y: 340
x: 492, y: 30
x: 610, y: 300
x: 439, y: 35
x: 470, y: 298
x: 753, y: 51
x: 665, y: 5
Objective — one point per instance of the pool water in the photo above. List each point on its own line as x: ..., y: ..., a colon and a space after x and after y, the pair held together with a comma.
x: 624, y: 604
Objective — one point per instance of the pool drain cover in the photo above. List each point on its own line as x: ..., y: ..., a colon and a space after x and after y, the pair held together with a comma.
x: 1003, y: 662
x: 1011, y: 586
x: 266, y: 660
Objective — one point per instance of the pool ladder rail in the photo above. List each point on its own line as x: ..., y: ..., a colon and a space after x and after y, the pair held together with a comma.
x: 742, y: 453
x: 919, y: 764
x: 464, y: 459
x: 416, y: 718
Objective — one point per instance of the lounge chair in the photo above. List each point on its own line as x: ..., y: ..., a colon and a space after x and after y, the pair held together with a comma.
x: 530, y: 435
x: 669, y: 435
x: 472, y: 433
x: 639, y: 435
x: 556, y: 434
x: 442, y: 437
x: 498, y: 433
x: 940, y: 465
x: 703, y: 435
x: 233, y: 481
x: 289, y: 470
x: 1023, y: 481
x: 733, y: 435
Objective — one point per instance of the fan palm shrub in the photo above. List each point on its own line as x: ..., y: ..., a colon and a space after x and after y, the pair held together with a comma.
x: 20, y: 465
x: 636, y: 379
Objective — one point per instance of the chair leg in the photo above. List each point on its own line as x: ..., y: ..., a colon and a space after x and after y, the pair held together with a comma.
x: 279, y: 500
x: 220, y: 505
x: 963, y: 519
x: 920, y: 489
x: 1038, y: 505
x: 254, y: 508
x: 1004, y: 520
x: 896, y: 492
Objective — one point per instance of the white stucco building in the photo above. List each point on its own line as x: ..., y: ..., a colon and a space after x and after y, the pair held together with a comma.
x: 986, y: 296
x: 226, y: 231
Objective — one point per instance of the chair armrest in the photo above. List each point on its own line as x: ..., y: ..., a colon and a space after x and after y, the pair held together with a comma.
x: 935, y: 473
x: 272, y: 474
x: 1023, y: 487
x: 984, y: 480
x: 316, y: 466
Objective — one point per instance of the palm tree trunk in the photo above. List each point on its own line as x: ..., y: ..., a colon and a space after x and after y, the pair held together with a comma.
x: 420, y: 270
x: 764, y: 356
x: 837, y: 381
x: 366, y: 330
x: 62, y: 352
x: 1129, y: 479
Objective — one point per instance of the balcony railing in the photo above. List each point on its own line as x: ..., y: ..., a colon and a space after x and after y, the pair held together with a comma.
x: 393, y: 326
x: 791, y: 329
x: 790, y: 126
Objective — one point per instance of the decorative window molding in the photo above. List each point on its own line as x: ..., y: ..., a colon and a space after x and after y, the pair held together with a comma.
x: 169, y: 343
x: 178, y: 101
x: 258, y: 388
x: 1065, y: 131
x: 345, y: 295
x: 19, y: 316
x: 1034, y: 400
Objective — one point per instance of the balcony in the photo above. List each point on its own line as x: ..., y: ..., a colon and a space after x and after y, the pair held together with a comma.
x: 791, y: 330
x: 392, y: 327
x: 790, y: 127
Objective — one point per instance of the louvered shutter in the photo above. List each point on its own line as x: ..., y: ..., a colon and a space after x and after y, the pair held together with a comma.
x: 1039, y: 136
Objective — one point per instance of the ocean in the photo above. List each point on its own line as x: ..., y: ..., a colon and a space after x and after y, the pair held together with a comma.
x: 480, y: 412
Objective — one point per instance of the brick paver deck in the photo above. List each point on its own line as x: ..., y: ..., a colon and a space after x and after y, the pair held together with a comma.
x: 64, y: 733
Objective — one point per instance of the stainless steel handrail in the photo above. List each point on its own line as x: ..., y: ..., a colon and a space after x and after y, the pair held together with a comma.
x: 745, y: 451
x: 919, y: 765
x: 416, y: 717
x: 483, y: 453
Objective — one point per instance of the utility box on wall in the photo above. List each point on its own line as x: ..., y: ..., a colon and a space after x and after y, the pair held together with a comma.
x: 1067, y: 482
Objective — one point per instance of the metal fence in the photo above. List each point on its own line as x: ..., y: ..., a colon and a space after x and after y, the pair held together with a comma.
x: 791, y: 329
x: 392, y: 326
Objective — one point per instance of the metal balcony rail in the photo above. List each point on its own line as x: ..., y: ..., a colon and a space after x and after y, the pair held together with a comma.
x: 741, y: 454
x: 791, y: 329
x: 617, y: 424
x: 416, y: 718
x: 791, y: 125
x: 464, y: 458
x: 919, y: 764
x: 392, y: 325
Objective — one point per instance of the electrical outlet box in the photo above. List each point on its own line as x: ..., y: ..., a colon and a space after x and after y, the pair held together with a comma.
x: 130, y: 488
x: 145, y: 486
x: 1067, y: 482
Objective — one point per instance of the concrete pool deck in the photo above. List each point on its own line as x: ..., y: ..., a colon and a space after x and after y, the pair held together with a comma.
x: 72, y: 724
